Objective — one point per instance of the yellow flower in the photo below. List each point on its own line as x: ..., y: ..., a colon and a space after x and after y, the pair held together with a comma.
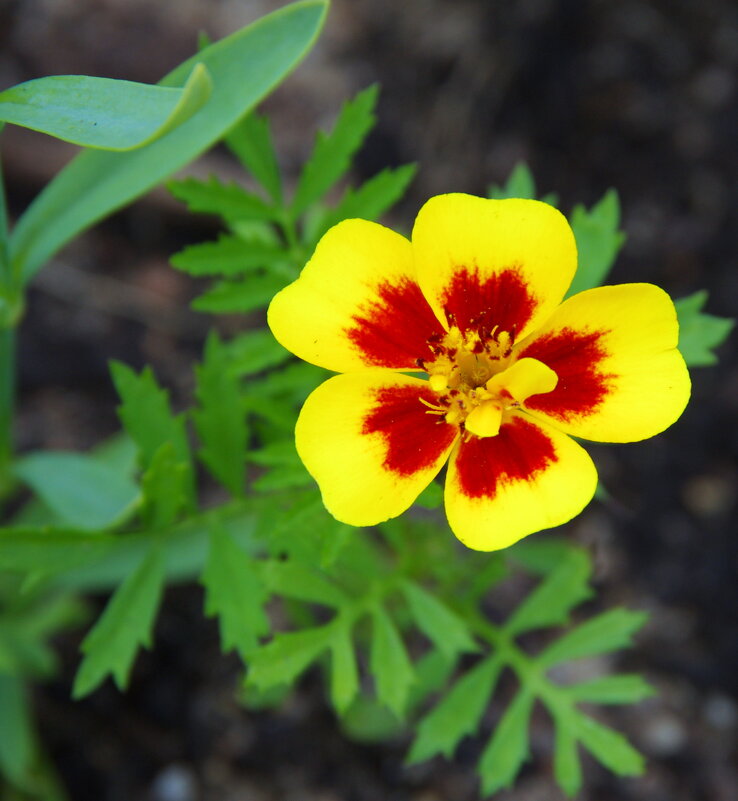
x: 475, y: 302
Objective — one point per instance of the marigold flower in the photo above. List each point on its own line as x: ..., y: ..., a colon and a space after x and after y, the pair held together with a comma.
x: 474, y: 301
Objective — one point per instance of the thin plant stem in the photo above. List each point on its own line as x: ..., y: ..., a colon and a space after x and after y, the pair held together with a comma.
x: 7, y: 404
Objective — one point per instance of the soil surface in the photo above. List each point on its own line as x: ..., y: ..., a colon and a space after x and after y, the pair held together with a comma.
x: 636, y: 95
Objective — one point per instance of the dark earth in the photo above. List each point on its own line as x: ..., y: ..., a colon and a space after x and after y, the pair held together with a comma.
x: 632, y: 94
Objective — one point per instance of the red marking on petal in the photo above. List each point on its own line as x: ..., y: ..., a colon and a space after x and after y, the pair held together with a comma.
x: 475, y: 303
x: 576, y: 358
x: 518, y: 453
x: 414, y: 439
x: 393, y: 330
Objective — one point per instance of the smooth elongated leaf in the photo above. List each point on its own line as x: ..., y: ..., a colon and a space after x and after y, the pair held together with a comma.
x: 228, y: 297
x: 567, y: 766
x: 234, y: 592
x: 332, y: 154
x: 344, y: 671
x: 79, y: 489
x: 606, y: 632
x: 624, y: 689
x: 457, y: 715
x: 283, y: 659
x: 226, y: 200
x: 552, y: 600
x: 294, y: 580
x: 608, y: 747
x: 251, y: 141
x: 390, y: 665
x: 219, y: 418
x: 508, y: 748
x: 442, y: 626
x: 700, y: 333
x: 101, y: 112
x: 126, y: 624
x: 598, y: 241
x: 244, y: 67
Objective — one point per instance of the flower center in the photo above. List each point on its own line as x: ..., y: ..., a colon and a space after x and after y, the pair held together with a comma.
x: 477, y: 381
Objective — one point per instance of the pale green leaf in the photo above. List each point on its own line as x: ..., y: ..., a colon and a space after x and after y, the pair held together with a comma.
x: 606, y: 632
x: 239, y: 297
x: 700, y: 333
x: 126, y: 624
x: 598, y: 241
x: 457, y: 715
x: 283, y: 659
x: 79, y: 489
x: 251, y: 141
x: 389, y: 663
x: 508, y: 748
x: 608, y: 747
x: 551, y: 601
x: 234, y: 592
x: 442, y: 626
x: 623, y: 689
x: 102, y: 112
x: 344, y: 671
x: 332, y: 154
x: 567, y: 767
x: 294, y: 580
x: 244, y: 67
x: 229, y: 201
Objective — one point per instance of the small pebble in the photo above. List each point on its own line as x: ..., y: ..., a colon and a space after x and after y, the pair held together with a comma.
x: 174, y: 783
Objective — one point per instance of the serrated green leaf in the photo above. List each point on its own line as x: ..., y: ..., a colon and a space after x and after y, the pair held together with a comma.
x: 283, y: 659
x: 79, y: 489
x: 508, y: 748
x: 331, y: 156
x: 229, y: 256
x: 219, y: 418
x: 254, y: 351
x: 283, y: 478
x: 457, y: 715
x: 102, y: 112
x: 126, y: 624
x: 606, y: 632
x: 598, y: 241
x: 567, y: 767
x: 432, y: 672
x: 442, y: 626
x: 520, y: 183
x: 244, y: 67
x: 608, y: 747
x: 623, y: 689
x: 228, y: 297
x: 166, y: 486
x: 294, y: 580
x: 251, y: 142
x: 344, y: 671
x: 540, y: 555
x: 229, y: 201
x: 389, y: 663
x: 700, y: 333
x: 552, y: 600
x: 234, y: 592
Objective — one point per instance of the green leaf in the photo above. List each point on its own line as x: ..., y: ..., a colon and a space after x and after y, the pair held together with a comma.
x: 457, y: 715
x: 332, y: 154
x: 552, y: 600
x: 219, y: 418
x: 598, y: 241
x: 244, y: 67
x: 540, y: 555
x: 508, y: 748
x: 442, y: 626
x: 234, y: 592
x: 567, y: 767
x: 283, y: 659
x: 126, y: 623
x: 102, y: 112
x: 294, y: 580
x: 344, y: 671
x: 700, y: 333
x: 229, y: 256
x: 287, y: 469
x: 18, y: 742
x: 165, y: 485
x: 47, y: 550
x: 431, y: 497
x: 520, y: 183
x: 254, y: 351
x: 250, y: 140
x: 389, y: 663
x: 623, y: 689
x: 608, y: 747
x: 239, y: 297
x: 606, y: 632
x: 81, y: 491
x: 229, y: 201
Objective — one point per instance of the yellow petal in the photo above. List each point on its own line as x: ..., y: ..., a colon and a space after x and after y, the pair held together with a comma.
x: 371, y: 444
x: 524, y: 378
x: 493, y: 264
x: 485, y: 420
x: 356, y: 304
x: 527, y: 478
x: 613, y: 348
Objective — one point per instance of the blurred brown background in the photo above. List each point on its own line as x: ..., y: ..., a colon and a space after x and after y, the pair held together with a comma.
x: 634, y: 94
